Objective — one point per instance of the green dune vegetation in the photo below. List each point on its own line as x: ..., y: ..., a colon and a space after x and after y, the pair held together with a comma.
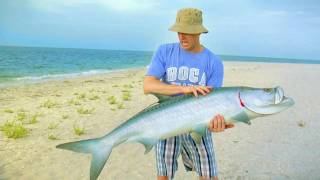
x: 14, y: 129
x: 51, y: 107
x: 78, y: 130
x: 112, y: 100
x: 83, y: 110
x: 8, y: 111
x: 49, y: 104
x: 53, y: 137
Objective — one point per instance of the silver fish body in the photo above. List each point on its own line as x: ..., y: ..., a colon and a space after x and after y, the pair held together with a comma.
x: 183, y: 114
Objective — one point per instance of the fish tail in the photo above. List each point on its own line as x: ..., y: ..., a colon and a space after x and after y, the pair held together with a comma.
x: 99, y: 150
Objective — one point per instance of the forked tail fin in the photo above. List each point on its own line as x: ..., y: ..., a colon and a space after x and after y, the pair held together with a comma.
x: 99, y: 149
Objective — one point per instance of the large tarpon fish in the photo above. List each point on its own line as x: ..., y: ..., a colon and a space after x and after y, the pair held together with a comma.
x: 183, y: 114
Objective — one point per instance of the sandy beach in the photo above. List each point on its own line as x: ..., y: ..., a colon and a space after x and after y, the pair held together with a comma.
x: 281, y: 146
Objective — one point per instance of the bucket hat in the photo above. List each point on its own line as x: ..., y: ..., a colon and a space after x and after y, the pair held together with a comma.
x: 189, y: 20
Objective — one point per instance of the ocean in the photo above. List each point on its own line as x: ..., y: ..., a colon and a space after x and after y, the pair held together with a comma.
x: 36, y: 64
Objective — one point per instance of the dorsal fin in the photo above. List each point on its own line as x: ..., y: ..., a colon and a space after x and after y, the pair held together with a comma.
x: 162, y: 98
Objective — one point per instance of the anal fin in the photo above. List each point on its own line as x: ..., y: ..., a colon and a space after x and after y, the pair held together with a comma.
x: 197, y: 132
x: 148, y: 143
x: 242, y: 117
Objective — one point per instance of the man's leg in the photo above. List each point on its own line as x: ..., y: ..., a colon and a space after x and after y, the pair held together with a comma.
x: 202, y: 178
x: 167, y: 153
x: 199, y: 157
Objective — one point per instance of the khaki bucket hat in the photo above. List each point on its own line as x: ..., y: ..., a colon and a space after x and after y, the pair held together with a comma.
x: 189, y: 20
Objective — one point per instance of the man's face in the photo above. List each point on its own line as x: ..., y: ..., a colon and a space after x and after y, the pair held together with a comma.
x: 188, y: 41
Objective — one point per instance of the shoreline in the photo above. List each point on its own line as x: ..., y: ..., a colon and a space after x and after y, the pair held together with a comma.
x: 281, y: 143
x: 27, y: 80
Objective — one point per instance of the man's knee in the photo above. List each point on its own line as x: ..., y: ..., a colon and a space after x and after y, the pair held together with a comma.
x: 163, y: 178
x: 203, y: 178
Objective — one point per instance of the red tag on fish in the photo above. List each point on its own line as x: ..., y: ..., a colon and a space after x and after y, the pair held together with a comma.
x: 241, y: 102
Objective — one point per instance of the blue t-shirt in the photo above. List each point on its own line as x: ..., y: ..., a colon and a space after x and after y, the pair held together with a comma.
x: 174, y: 65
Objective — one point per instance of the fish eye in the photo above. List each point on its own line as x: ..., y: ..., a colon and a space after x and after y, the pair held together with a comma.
x: 267, y: 89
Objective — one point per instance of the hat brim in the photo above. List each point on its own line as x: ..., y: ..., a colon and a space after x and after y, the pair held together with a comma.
x: 189, y: 29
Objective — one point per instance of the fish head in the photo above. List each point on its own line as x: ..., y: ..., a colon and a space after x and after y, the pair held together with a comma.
x: 264, y: 101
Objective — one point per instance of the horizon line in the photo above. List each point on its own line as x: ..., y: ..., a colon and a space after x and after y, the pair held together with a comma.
x: 150, y: 51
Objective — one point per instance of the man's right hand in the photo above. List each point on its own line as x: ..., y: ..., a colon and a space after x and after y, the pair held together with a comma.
x: 195, y: 90
x: 153, y: 85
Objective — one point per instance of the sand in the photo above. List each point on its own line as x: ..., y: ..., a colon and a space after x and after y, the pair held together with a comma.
x: 281, y: 146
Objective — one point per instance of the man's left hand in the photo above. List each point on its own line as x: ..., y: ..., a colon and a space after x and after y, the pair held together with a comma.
x: 218, y: 124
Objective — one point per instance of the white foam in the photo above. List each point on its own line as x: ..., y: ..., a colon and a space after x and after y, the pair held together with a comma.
x: 38, y: 79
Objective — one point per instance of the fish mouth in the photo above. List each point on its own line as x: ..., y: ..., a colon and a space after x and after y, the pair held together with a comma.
x: 285, y: 101
x: 280, y: 99
x: 279, y: 95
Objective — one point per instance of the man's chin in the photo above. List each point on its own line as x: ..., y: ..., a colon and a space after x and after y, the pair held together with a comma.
x: 187, y: 48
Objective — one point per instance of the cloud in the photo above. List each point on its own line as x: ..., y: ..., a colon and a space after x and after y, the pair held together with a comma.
x: 114, y: 5
x: 129, y: 5
x: 53, y: 6
x: 275, y: 13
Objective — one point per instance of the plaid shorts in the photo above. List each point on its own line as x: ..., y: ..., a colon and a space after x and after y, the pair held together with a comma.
x: 195, y: 157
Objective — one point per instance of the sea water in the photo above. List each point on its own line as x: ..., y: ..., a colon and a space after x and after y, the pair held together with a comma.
x: 34, y: 64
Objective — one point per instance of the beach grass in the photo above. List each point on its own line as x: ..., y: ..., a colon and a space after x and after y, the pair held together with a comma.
x: 49, y: 104
x: 83, y: 110
x: 120, y: 105
x: 125, y: 90
x: 33, y: 119
x: 126, y: 96
x: 74, y: 102
x: 94, y: 97
x: 88, y: 81
x: 112, y: 100
x: 8, y: 111
x: 21, y: 116
x: 53, y: 125
x: 127, y: 86
x: 78, y: 130
x: 65, y: 116
x: 81, y: 96
x: 53, y: 137
x: 21, y: 110
x: 12, y: 129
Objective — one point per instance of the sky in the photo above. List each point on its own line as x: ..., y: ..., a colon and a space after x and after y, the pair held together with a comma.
x: 264, y: 28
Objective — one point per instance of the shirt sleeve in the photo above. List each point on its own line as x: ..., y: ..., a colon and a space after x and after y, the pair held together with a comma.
x: 157, y: 65
x: 215, y: 79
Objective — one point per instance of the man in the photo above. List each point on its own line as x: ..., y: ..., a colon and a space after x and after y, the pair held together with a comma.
x: 186, y: 67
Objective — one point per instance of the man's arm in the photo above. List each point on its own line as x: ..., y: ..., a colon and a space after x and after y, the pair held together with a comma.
x: 153, y: 85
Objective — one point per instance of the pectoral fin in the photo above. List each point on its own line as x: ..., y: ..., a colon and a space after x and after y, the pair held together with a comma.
x: 242, y: 117
x: 162, y: 98
x: 197, y: 132
x: 196, y: 137
x: 148, y: 144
